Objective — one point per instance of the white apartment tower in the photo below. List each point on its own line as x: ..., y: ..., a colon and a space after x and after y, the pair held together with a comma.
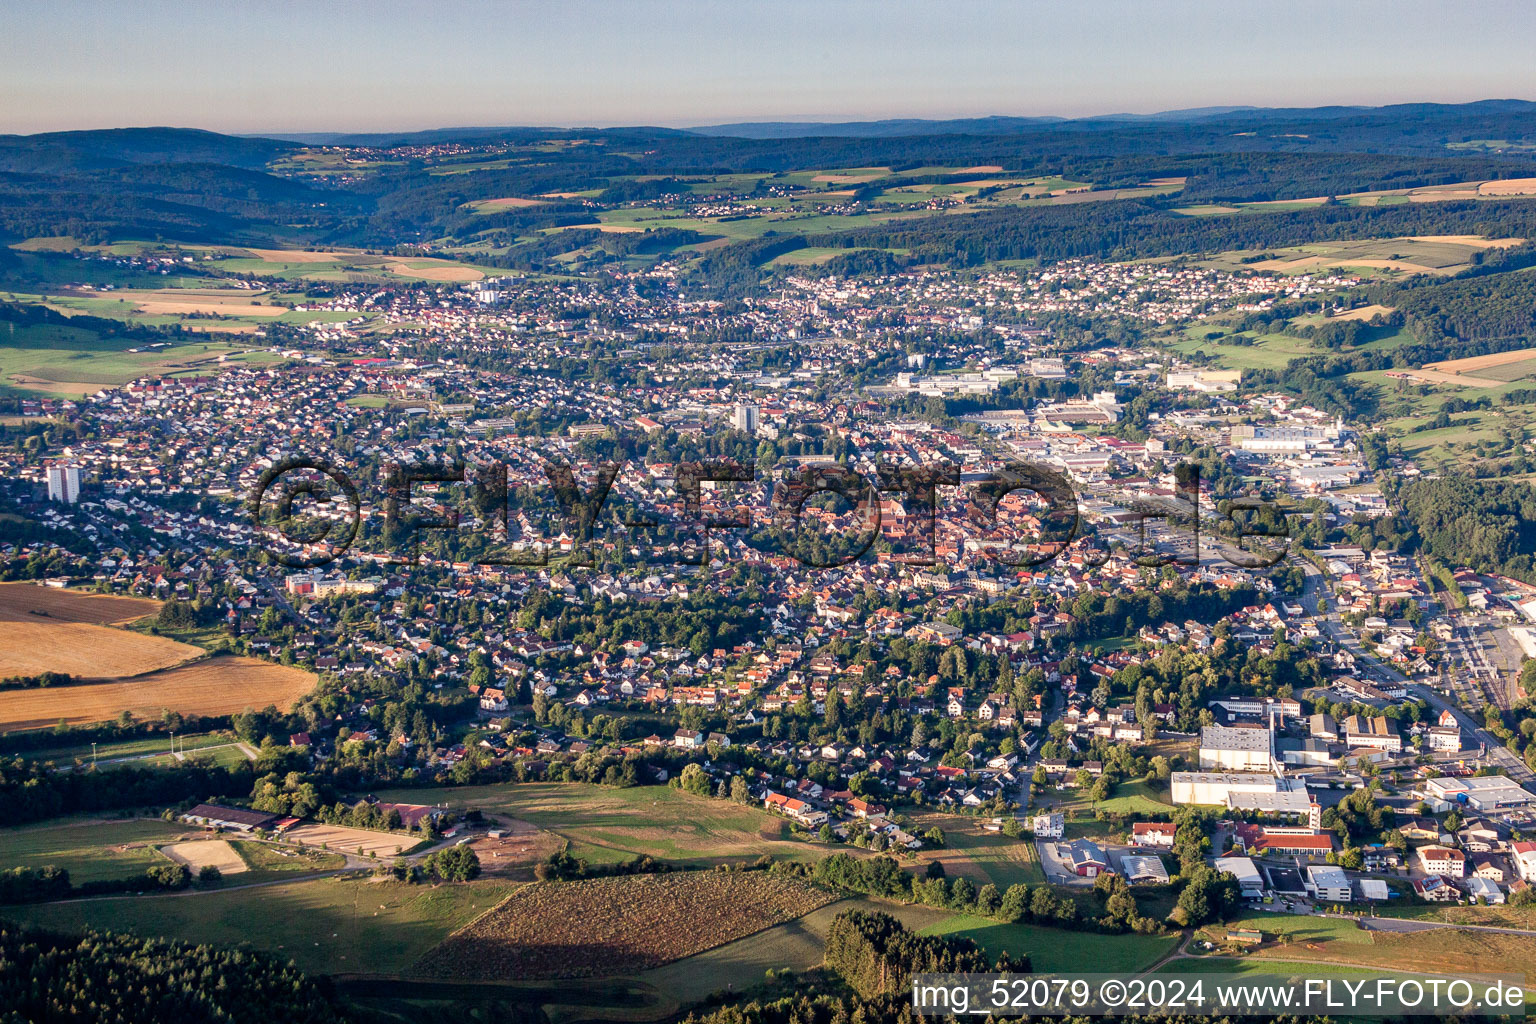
x: 63, y: 483
x: 744, y: 418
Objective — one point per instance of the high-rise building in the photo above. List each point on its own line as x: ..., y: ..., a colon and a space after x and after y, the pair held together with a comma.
x: 744, y: 418
x: 63, y: 483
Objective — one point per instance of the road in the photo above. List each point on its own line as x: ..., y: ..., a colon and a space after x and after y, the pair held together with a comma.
x: 1331, y: 624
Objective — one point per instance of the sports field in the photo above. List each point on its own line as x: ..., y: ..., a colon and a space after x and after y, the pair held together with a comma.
x: 363, y: 842
x: 197, y: 854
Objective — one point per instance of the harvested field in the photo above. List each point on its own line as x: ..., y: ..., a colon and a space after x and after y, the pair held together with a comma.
x: 30, y: 645
x: 436, y: 272
x: 1447, y: 951
x: 1472, y: 363
x: 507, y: 202
x: 606, y: 926
x: 215, y: 686
x: 360, y: 841
x: 615, y: 229
x: 856, y: 176
x: 1475, y: 241
x: 167, y: 306
x: 22, y: 599
x: 1363, y: 313
x: 202, y: 853
x: 1508, y: 187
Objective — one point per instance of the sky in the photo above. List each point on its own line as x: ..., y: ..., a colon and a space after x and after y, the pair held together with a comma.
x: 386, y: 65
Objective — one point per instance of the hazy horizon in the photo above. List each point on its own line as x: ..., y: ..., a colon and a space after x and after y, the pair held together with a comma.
x: 292, y: 68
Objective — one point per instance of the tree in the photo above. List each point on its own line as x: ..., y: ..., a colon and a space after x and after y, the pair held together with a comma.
x: 1015, y: 906
x: 455, y: 864
x: 935, y: 837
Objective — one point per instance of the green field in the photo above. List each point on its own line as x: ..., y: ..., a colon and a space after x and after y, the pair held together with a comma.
x: 63, y: 360
x: 128, y: 748
x: 1303, y: 928
x: 605, y: 824
x: 980, y: 855
x: 1055, y: 949
x: 90, y: 850
x: 1129, y: 798
x: 327, y: 925
x: 269, y: 862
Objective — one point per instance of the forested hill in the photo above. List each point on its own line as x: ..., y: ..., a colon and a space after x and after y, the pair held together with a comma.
x: 421, y: 188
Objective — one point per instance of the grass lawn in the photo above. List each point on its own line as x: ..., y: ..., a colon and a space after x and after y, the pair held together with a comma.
x: 978, y: 854
x: 605, y: 824
x: 1129, y: 798
x: 89, y: 849
x: 327, y: 925
x: 1267, y: 351
x: 1056, y: 949
x: 270, y: 862
x: 1303, y: 928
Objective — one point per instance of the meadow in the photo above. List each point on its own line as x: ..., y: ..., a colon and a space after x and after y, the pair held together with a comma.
x: 90, y: 849
x: 346, y: 924
x: 69, y: 361
x: 605, y: 825
x: 1056, y: 949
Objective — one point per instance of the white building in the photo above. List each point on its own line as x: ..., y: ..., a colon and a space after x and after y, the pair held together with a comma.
x: 1488, y: 890
x: 745, y: 418
x: 1329, y: 883
x: 1237, y: 748
x: 1251, y: 791
x: 1243, y: 869
x: 1524, y: 856
x: 64, y: 482
x: 1484, y: 794
x: 1050, y: 826
x: 1441, y: 860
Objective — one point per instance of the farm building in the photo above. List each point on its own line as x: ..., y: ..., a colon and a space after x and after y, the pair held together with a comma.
x: 1086, y: 858
x: 238, y: 819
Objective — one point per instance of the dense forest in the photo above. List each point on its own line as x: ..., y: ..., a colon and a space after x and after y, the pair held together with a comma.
x: 107, y: 978
x: 1486, y: 525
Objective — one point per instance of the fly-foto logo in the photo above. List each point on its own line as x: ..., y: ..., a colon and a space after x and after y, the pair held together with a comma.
x: 336, y: 512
